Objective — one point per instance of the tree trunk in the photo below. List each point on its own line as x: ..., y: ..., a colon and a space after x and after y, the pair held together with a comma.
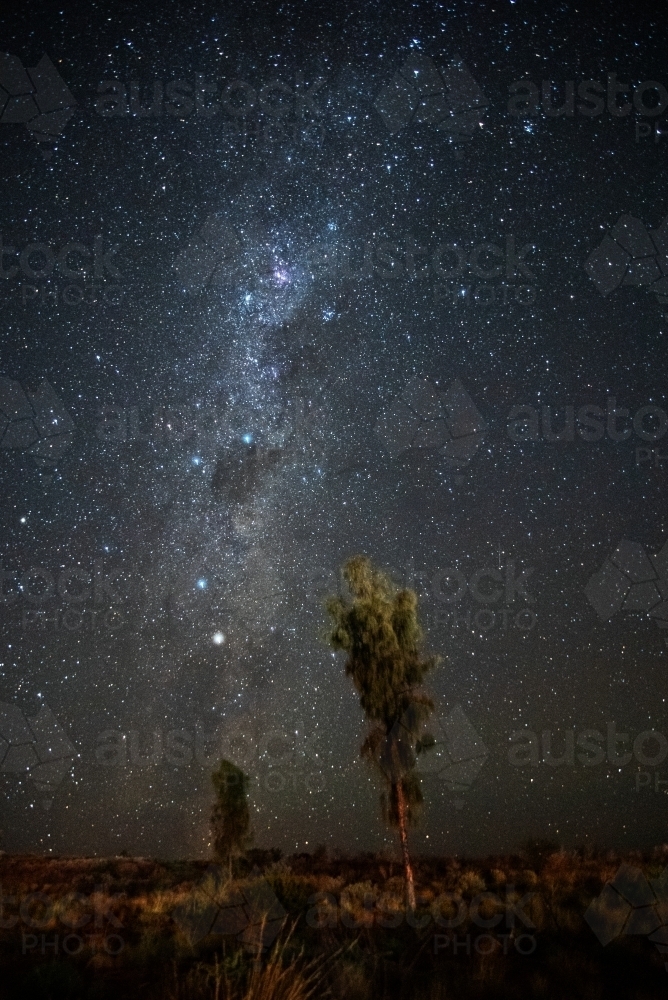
x: 401, y: 812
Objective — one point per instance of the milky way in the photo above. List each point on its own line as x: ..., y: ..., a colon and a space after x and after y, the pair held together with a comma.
x: 312, y: 282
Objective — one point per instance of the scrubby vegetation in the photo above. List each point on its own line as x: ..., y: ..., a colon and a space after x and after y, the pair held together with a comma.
x: 317, y: 925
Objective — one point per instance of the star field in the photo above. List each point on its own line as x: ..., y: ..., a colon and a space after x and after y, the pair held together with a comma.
x: 245, y: 271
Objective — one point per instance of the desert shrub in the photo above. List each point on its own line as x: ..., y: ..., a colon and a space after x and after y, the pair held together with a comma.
x: 470, y: 883
x: 360, y: 892
x: 293, y: 891
x: 497, y: 877
x: 358, y: 902
x: 158, y: 905
x: 527, y: 879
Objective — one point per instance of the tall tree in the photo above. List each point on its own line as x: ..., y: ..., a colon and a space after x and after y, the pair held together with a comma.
x: 230, y: 818
x: 379, y: 630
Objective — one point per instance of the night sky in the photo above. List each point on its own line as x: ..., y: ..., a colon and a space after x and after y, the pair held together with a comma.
x: 298, y: 279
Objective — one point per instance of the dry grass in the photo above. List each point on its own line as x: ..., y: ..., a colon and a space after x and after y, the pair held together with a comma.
x: 349, y: 936
x: 278, y: 976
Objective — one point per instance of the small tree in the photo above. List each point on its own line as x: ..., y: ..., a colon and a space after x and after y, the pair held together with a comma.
x: 230, y: 818
x: 379, y: 631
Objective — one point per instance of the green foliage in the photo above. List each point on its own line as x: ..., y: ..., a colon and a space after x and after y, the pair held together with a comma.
x: 380, y: 632
x: 230, y: 818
